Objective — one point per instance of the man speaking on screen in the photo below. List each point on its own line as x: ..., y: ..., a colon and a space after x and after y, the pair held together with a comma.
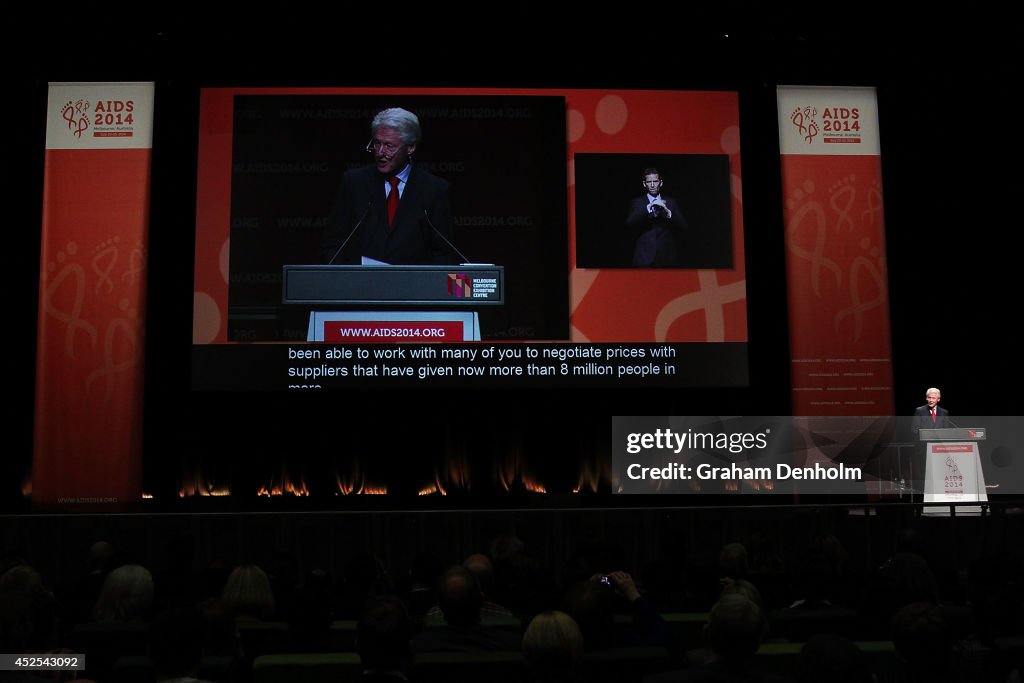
x: 390, y: 211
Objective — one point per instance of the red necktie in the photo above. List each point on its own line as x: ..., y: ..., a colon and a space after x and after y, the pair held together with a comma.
x: 392, y: 200
x: 933, y: 415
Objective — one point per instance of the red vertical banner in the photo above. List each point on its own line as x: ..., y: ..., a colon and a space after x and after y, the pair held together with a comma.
x: 92, y: 286
x: 839, y: 330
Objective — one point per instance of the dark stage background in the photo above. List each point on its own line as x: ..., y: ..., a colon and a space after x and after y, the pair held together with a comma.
x: 948, y: 210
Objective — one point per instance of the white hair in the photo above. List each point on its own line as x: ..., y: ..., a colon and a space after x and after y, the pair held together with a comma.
x: 126, y: 594
x: 405, y: 122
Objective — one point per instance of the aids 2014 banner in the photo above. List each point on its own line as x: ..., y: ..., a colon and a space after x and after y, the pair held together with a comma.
x: 839, y: 331
x: 91, y: 321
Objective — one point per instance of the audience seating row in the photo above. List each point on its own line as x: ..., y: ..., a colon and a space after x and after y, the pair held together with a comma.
x: 617, y: 665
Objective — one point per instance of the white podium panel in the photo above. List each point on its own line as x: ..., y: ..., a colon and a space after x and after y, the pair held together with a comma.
x: 953, y: 474
x: 408, y: 327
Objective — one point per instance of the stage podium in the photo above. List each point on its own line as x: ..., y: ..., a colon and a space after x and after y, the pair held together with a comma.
x: 952, y: 467
x: 388, y: 303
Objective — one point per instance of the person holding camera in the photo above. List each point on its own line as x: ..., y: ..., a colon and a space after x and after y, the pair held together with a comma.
x: 595, y: 603
x: 657, y: 223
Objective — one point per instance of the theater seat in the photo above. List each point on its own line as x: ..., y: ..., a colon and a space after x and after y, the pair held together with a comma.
x: 624, y: 664
x: 307, y: 668
x: 470, y: 667
x: 139, y: 669
x: 781, y: 658
x: 103, y: 642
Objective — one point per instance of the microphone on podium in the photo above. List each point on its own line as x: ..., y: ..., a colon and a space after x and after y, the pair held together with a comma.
x: 352, y: 232
x: 446, y: 240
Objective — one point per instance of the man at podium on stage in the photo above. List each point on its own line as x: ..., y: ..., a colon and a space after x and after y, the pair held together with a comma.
x: 390, y: 211
x: 930, y: 415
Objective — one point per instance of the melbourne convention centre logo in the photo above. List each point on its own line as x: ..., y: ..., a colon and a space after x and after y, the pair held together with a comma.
x: 460, y: 285
x: 76, y: 115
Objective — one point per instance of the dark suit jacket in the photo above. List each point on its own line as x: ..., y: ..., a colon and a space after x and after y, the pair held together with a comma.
x: 655, y: 238
x: 923, y: 419
x: 411, y: 240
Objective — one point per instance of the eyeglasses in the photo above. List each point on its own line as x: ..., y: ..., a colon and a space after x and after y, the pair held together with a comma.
x: 389, y: 148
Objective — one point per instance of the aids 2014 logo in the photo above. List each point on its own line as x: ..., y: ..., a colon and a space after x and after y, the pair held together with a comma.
x: 76, y: 115
x: 837, y: 125
x: 109, y: 118
x: 804, y: 119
